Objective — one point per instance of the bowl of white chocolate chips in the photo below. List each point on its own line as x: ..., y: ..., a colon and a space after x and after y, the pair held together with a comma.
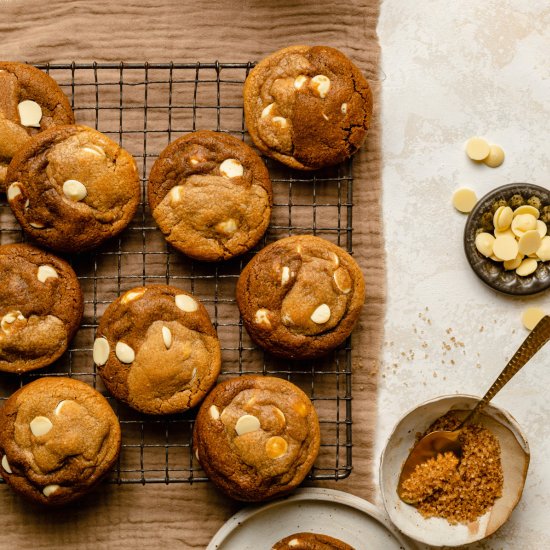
x: 507, y: 239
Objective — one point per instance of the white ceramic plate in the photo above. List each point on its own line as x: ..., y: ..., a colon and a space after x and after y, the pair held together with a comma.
x: 325, y: 511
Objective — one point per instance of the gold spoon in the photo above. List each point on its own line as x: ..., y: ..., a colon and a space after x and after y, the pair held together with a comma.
x: 440, y: 442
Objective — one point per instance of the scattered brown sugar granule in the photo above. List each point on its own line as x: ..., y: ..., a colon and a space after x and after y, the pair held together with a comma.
x: 464, y: 493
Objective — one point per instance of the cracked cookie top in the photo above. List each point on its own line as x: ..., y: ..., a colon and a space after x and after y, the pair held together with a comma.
x: 256, y: 437
x: 58, y: 439
x: 310, y: 541
x: 157, y: 350
x: 307, y: 107
x: 211, y: 196
x: 30, y: 101
x: 71, y: 188
x: 41, y: 307
x: 300, y: 297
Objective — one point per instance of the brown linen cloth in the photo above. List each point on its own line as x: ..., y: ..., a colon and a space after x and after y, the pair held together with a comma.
x: 182, y: 515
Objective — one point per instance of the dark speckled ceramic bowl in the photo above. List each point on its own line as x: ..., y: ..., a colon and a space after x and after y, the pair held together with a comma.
x: 493, y: 273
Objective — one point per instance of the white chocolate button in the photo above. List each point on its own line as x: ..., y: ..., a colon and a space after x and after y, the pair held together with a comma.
x: 464, y: 200
x: 335, y: 260
x: 344, y: 108
x: 280, y: 415
x: 527, y: 266
x: 94, y: 150
x: 527, y: 209
x: 342, y: 280
x: 262, y: 318
x: 321, y: 314
x: 46, y: 272
x: 30, y: 113
x: 124, y: 353
x: 6, y: 464
x: 495, y: 258
x: 74, y: 190
x: 505, y: 248
x: 40, y: 425
x: 484, y: 244
x: 477, y: 148
x: 186, y: 303
x: 101, y: 351
x: 503, y: 218
x: 10, y: 318
x: 495, y: 157
x: 529, y: 242
x: 267, y: 110
x: 285, y: 275
x: 167, y: 337
x: 246, y: 424
x: 13, y: 190
x: 541, y: 228
x: 176, y: 193
x: 276, y: 447
x: 544, y: 249
x: 502, y: 233
x: 321, y: 85
x: 50, y: 490
x: 522, y: 223
x: 231, y: 168
x: 282, y: 122
x: 510, y: 265
x: 299, y: 81
x: 228, y: 227
x: 60, y: 405
x: 132, y: 295
x: 531, y: 316
x: 194, y: 161
x: 214, y: 412
x: 37, y: 225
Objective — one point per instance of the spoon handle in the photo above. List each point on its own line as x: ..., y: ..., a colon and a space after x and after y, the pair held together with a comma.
x: 536, y: 339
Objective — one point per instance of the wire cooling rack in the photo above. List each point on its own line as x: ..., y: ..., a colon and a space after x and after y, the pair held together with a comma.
x: 144, y: 107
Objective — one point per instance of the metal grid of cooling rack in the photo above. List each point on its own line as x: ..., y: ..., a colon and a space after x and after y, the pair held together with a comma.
x: 144, y: 107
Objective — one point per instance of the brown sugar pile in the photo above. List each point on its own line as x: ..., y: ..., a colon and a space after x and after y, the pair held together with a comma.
x: 459, y: 491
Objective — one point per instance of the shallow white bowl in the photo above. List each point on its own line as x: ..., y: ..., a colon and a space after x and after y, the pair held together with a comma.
x: 437, y: 531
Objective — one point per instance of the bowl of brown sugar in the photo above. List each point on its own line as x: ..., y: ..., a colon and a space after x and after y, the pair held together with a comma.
x: 457, y: 500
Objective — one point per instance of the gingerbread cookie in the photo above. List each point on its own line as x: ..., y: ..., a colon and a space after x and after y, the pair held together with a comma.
x: 30, y: 101
x: 157, y: 350
x: 71, y: 188
x: 58, y: 438
x: 300, y: 297
x: 256, y: 437
x: 311, y: 541
x: 41, y: 306
x: 211, y: 196
x: 307, y: 107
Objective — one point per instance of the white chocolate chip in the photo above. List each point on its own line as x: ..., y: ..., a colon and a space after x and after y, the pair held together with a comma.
x: 50, y: 490
x: 167, y: 337
x: 541, y: 228
x: 231, y: 168
x: 132, y: 295
x: 246, y: 424
x: 529, y: 242
x: 40, y: 425
x: 27, y: 202
x: 502, y: 233
x: 10, y: 318
x: 477, y: 148
x: 46, y: 272
x: 325, y: 116
x: 280, y: 414
x: 186, y: 303
x: 214, y: 412
x: 267, y: 110
x: 194, y: 161
x: 510, y: 265
x: 60, y: 405
x: 94, y: 150
x: 527, y: 266
x: 293, y: 543
x: 464, y: 200
x: 495, y: 157
x: 30, y: 113
x: 299, y: 81
x: 342, y: 280
x: 503, y: 218
x: 285, y: 275
x: 124, y: 353
x: 37, y: 225
x: 344, y: 108
x: 276, y: 447
x: 74, y: 190
x: 321, y: 314
x: 176, y: 193
x: 13, y: 190
x: 505, y: 248
x: 321, y: 85
x: 6, y: 464
x: 197, y: 455
x: 228, y: 227
x: 262, y: 318
x: 484, y: 244
x: 527, y: 209
x: 544, y: 249
x: 281, y: 121
x: 531, y: 316
x: 101, y: 351
x: 522, y: 223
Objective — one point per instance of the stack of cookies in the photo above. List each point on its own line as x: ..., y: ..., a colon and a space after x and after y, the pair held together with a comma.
x: 71, y: 189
